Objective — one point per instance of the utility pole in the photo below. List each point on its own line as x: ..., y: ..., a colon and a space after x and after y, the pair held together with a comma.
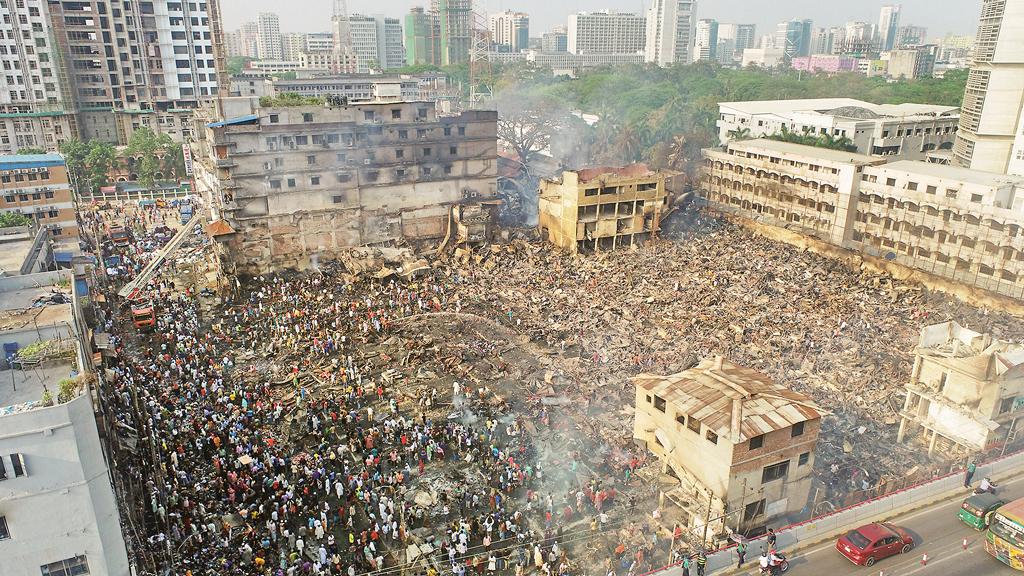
x: 707, y: 521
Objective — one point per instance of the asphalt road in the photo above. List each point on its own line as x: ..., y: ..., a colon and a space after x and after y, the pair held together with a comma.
x: 936, y: 531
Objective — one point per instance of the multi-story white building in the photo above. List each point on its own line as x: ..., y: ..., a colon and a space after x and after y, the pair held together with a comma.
x: 957, y: 225
x: 293, y: 44
x: 511, y: 29
x: 35, y: 106
x: 268, y: 39
x: 187, y: 69
x: 706, y: 45
x: 990, y: 136
x: 377, y: 42
x: 606, y: 32
x: 888, y: 26
x: 733, y: 39
x: 909, y: 131
x: 319, y: 41
x: 670, y: 31
x: 58, y: 513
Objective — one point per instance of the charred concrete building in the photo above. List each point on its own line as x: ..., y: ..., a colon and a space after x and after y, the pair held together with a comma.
x: 602, y: 208
x: 731, y: 437
x: 295, y: 183
x: 966, y: 390
x: 955, y: 224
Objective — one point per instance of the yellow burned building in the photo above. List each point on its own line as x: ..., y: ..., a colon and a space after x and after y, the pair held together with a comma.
x: 602, y: 208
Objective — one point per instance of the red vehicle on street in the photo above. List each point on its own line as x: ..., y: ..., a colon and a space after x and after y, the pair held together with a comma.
x: 873, y: 542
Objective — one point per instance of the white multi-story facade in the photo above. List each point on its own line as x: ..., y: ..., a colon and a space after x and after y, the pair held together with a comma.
x: 888, y: 25
x: 34, y: 107
x: 706, y: 45
x: 377, y: 42
x: 606, y: 32
x: 670, y: 31
x: 250, y: 38
x: 907, y: 131
x: 185, y: 44
x: 510, y: 29
x: 293, y: 44
x: 318, y: 41
x: 990, y: 136
x: 268, y: 38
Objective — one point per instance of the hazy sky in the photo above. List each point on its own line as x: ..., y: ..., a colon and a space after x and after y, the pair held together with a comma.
x: 940, y: 16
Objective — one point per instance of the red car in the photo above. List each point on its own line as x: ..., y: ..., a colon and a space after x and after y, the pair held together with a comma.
x: 872, y: 542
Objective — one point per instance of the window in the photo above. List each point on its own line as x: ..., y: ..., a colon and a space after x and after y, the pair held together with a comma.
x: 70, y: 567
x: 338, y: 199
x: 291, y: 182
x: 930, y: 190
x: 681, y: 419
x: 301, y: 140
x: 310, y: 160
x: 775, y: 472
x: 427, y: 151
x: 942, y: 381
x: 462, y: 130
x: 9, y: 198
x: 368, y: 115
x: 693, y: 424
x: 48, y: 194
x: 427, y: 170
x: 399, y: 153
x: 1006, y: 404
x: 911, y: 185
x: 976, y: 198
x: 314, y: 180
x: 448, y: 169
x: 798, y: 430
x: 659, y: 403
x: 400, y: 173
x: 4, y: 532
x: 3, y: 471
x: 396, y: 114
x: 804, y: 459
x: 950, y: 193
x: 403, y: 134
x: 753, y: 510
x: 448, y: 131
x: 453, y: 150
x: 711, y: 436
x: 307, y: 116
x: 275, y: 184
x: 757, y: 442
x: 649, y: 399
x: 274, y: 118
x: 890, y: 181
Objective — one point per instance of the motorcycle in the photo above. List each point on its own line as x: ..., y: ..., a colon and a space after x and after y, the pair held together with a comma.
x: 990, y: 490
x: 780, y: 568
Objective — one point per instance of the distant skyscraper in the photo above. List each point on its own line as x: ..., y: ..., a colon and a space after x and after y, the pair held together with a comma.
x: 821, y: 41
x: 555, y: 41
x: 706, y: 45
x: 670, y: 29
x: 510, y: 29
x: 888, y: 25
x: 422, y: 38
x: 269, y: 37
x: 377, y: 43
x: 455, y: 25
x: 250, y: 38
x: 733, y: 39
x: 794, y: 38
x: 606, y: 32
x: 910, y: 36
x: 990, y: 136
x: 293, y: 44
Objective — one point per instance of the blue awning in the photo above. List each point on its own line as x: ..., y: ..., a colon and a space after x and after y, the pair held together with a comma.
x: 233, y: 121
x: 82, y: 287
x: 62, y: 257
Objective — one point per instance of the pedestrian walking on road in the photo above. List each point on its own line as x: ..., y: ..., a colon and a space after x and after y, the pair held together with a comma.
x: 741, y: 554
x: 771, y: 539
x: 702, y: 563
x: 971, y: 467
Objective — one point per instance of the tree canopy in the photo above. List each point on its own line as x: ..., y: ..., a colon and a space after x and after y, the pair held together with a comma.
x: 290, y: 99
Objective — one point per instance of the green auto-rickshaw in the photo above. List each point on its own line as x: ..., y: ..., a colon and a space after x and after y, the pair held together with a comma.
x: 976, y: 511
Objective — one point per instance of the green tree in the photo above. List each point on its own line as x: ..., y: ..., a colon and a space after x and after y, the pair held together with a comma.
x: 154, y: 154
x: 75, y: 153
x: 238, y: 63
x: 12, y: 219
x: 99, y: 162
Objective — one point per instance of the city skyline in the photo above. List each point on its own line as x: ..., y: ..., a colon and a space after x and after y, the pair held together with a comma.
x: 958, y: 17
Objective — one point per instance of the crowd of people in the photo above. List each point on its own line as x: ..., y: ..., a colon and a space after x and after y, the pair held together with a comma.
x: 329, y: 466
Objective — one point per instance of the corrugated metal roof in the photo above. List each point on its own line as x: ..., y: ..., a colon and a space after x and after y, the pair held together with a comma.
x: 248, y: 118
x: 18, y: 161
x: 707, y: 391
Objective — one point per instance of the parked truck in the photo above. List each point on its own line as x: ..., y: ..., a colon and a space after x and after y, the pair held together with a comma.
x: 185, y: 210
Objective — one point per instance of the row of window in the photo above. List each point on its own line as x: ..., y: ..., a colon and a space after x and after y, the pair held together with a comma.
x: 371, y: 176
x: 10, y: 198
x: 7, y: 177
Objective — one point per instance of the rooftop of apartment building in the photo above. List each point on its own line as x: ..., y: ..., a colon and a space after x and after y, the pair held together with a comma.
x: 842, y: 107
x: 20, y: 161
x: 15, y: 245
x: 603, y: 173
x: 35, y: 313
x: 951, y: 340
x: 708, y: 391
x: 762, y: 145
x: 955, y: 173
